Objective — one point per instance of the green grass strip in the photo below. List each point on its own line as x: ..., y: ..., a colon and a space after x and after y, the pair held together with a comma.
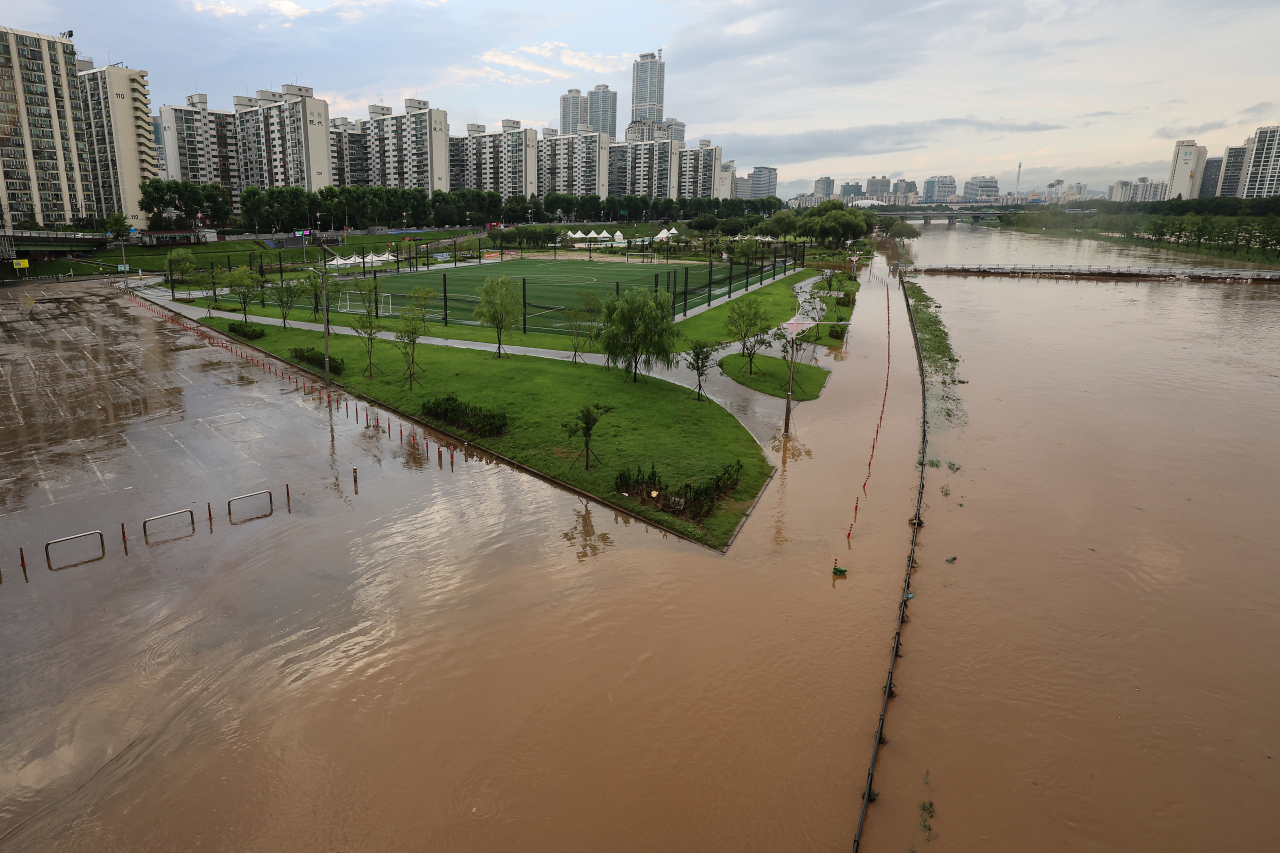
x: 652, y: 421
x: 770, y: 376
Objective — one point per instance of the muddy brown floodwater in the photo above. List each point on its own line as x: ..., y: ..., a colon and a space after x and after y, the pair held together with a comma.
x: 1097, y: 668
x: 457, y: 657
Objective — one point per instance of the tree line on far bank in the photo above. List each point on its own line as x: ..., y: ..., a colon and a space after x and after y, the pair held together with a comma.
x: 1239, y: 236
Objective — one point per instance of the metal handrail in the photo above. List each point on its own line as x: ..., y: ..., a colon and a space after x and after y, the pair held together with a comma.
x: 101, y: 541
x: 168, y: 515
x: 271, y: 504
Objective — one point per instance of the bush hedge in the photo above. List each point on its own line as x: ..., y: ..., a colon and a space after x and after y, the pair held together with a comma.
x: 248, y: 331
x: 476, y: 420
x: 694, y: 501
x: 315, y: 358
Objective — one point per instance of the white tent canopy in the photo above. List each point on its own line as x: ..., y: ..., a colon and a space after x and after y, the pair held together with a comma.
x: 593, y: 235
x: 663, y: 234
x: 618, y: 236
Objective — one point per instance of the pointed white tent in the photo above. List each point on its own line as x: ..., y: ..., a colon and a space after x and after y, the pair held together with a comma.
x: 592, y: 235
x: 617, y: 237
x: 662, y: 235
x: 672, y: 232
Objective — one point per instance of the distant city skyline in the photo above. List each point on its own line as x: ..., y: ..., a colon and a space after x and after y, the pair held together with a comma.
x: 1087, y: 104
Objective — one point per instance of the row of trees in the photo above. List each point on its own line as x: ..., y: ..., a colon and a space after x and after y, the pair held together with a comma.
x: 830, y: 224
x: 1236, y: 235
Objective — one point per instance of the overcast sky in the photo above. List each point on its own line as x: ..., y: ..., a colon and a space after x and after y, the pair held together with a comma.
x: 1082, y: 90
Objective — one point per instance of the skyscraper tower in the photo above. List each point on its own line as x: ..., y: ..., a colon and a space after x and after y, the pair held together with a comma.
x: 602, y: 110
x: 648, y: 75
x: 573, y: 111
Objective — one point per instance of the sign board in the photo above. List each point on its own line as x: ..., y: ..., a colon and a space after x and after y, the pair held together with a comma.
x: 122, y: 267
x: 21, y: 264
x: 442, y: 256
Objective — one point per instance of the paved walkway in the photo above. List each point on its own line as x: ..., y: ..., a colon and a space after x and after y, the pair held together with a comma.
x: 760, y: 413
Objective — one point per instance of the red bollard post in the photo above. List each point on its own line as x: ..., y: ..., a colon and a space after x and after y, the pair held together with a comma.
x: 23, y: 558
x: 210, y: 506
x: 123, y: 538
x: 286, y: 491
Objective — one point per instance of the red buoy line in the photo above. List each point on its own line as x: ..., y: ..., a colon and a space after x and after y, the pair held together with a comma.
x: 888, y: 363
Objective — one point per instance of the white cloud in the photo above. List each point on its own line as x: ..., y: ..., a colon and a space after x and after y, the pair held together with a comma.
x: 546, y: 48
x: 499, y: 57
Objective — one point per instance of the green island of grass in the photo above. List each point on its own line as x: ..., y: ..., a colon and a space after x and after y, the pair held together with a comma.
x: 652, y: 421
x: 770, y: 376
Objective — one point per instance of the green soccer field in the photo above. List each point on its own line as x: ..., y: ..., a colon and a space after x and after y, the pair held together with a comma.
x: 548, y: 288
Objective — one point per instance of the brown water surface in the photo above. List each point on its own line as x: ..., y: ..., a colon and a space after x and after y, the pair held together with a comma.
x: 1096, y: 670
x: 455, y: 657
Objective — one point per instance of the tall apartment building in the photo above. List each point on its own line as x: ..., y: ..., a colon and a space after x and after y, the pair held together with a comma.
x: 409, y: 150
x: 742, y: 187
x: 575, y: 112
x: 117, y: 109
x: 698, y: 170
x: 347, y: 156
x: 764, y: 182
x: 1187, y: 169
x: 903, y: 187
x: 1260, y: 173
x: 850, y: 190
x: 981, y: 188
x: 157, y: 142
x: 504, y: 161
x: 283, y: 139
x: 648, y: 82
x: 1139, y: 190
x: 1232, y: 167
x: 824, y: 186
x: 44, y: 149
x: 938, y: 189
x: 199, y: 144
x: 645, y: 169
x: 648, y: 130
x: 1212, y: 175
x: 726, y: 180
x: 602, y: 111
x: 577, y: 164
x: 878, y: 186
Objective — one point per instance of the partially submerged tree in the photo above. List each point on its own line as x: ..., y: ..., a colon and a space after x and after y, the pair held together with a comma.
x: 583, y: 424
x: 584, y: 323
x: 413, y: 325
x: 499, y: 306
x: 750, y: 327
x: 903, y: 231
x: 366, y: 322
x: 699, y: 360
x: 636, y: 331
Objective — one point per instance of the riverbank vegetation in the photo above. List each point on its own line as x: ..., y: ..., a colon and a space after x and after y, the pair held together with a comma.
x: 651, y: 423
x: 936, y: 353
x: 769, y: 376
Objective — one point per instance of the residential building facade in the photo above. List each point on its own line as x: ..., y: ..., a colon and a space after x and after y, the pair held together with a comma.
x: 764, y: 181
x: 1212, y: 175
x: 199, y: 144
x: 577, y: 164
x: 157, y: 142
x: 283, y: 139
x: 644, y: 169
x: 44, y: 147
x: 410, y: 150
x: 878, y: 186
x: 698, y: 170
x: 648, y: 84
x: 726, y: 180
x: 504, y: 161
x: 347, y: 155
x: 850, y: 190
x: 824, y: 186
x: 981, y: 188
x: 938, y: 189
x: 1187, y: 169
x: 1260, y: 174
x: 1232, y: 166
x: 575, y: 112
x: 117, y: 110
x: 602, y: 111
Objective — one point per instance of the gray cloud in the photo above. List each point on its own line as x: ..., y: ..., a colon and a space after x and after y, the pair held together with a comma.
x: 1171, y: 132
x: 776, y: 149
x: 1266, y: 109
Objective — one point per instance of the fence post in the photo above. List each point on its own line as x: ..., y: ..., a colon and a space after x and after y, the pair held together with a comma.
x: 524, y: 297
x: 655, y: 284
x: 617, y: 289
x: 730, y: 277
x: 686, y: 291
x: 709, y: 273
x: 444, y: 285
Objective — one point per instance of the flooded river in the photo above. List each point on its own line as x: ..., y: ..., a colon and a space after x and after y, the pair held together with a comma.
x: 462, y: 657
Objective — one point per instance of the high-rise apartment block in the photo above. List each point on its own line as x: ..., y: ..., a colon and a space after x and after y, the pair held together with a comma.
x: 1187, y: 169
x: 602, y: 111
x: 698, y: 170
x: 577, y: 164
x: 938, y: 189
x: 408, y: 150
x: 764, y: 182
x: 283, y: 139
x: 1260, y: 174
x: 157, y: 143
x: 824, y: 187
x: 117, y: 110
x: 1141, y: 190
x: 504, y: 161
x: 726, y: 180
x: 348, y: 158
x: 648, y: 82
x: 575, y: 112
x: 644, y: 169
x: 199, y: 144
x: 648, y: 130
x: 903, y: 187
x: 981, y: 188
x: 850, y: 190
x: 44, y: 147
x: 1212, y: 174
x: 1232, y: 167
x: 878, y: 186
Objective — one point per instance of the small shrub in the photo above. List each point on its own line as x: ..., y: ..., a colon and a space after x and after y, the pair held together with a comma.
x: 248, y: 331
x: 694, y: 501
x: 837, y: 332
x: 476, y: 420
x: 313, y: 357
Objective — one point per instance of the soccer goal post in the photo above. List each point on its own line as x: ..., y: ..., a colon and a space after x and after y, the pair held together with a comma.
x: 642, y: 257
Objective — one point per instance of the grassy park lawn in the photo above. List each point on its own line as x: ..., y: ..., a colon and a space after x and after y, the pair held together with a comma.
x: 770, y: 376
x: 780, y: 305
x: 652, y: 421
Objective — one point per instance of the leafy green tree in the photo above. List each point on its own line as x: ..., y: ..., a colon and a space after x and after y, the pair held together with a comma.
x: 499, y: 307
x: 286, y: 294
x: 117, y: 226
x: 749, y: 326
x: 903, y: 231
x: 244, y: 284
x: 366, y: 322
x: 583, y: 424
x: 217, y: 203
x: 637, y: 331
x: 253, y: 207
x: 413, y: 325
x: 699, y: 359
x: 584, y: 323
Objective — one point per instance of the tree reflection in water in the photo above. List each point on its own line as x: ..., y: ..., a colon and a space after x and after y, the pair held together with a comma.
x: 583, y: 535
